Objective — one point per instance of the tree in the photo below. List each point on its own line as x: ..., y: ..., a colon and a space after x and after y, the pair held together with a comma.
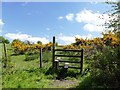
x: 27, y: 42
x: 7, y: 41
x: 39, y: 42
x: 114, y: 21
x: 3, y: 40
x: 16, y: 40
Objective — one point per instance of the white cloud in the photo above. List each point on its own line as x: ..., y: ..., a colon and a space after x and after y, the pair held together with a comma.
x: 93, y: 28
x: 60, y: 34
x: 88, y: 16
x: 93, y: 2
x: 1, y: 24
x: 89, y: 36
x: 24, y: 37
x: 70, y: 16
x: 65, y: 40
x: 113, y: 0
x: 91, y: 20
x: 98, y: 11
x: 61, y: 17
x: 48, y: 29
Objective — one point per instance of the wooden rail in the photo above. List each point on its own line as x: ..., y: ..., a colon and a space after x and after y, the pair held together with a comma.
x: 69, y: 61
x: 67, y: 56
x: 71, y: 67
x: 68, y: 50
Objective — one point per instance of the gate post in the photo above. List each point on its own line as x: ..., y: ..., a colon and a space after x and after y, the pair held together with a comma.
x: 81, y: 61
x: 53, y: 49
x: 40, y: 57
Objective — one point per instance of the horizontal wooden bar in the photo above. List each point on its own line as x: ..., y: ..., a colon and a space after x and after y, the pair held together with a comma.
x: 68, y: 50
x: 69, y: 61
x: 71, y: 67
x: 67, y: 56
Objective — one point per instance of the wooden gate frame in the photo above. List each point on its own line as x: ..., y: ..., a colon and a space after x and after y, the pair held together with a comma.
x: 57, y: 55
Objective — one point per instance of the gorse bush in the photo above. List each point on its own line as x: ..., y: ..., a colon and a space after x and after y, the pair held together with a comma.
x: 19, y: 46
x: 22, y: 47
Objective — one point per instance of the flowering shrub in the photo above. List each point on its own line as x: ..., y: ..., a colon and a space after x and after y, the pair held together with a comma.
x: 69, y: 47
x: 19, y: 47
x: 108, y: 39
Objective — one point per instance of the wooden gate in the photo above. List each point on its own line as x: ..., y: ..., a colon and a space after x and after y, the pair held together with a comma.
x: 59, y: 55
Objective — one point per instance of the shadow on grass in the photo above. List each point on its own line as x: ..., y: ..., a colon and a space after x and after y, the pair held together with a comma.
x: 61, y: 74
x: 14, y: 54
x: 51, y: 71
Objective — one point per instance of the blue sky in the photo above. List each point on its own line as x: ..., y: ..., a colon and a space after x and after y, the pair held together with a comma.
x: 35, y: 21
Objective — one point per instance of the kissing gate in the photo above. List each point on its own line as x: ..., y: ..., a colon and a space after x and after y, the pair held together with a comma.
x: 55, y: 63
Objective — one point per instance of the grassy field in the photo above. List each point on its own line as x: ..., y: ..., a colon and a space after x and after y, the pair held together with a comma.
x: 28, y: 74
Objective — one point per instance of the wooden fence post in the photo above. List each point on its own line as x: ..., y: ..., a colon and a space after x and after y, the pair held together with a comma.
x: 81, y: 64
x: 5, y: 55
x: 40, y: 57
x: 53, y: 49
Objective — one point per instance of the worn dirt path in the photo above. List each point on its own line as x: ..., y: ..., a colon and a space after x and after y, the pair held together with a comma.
x: 64, y: 83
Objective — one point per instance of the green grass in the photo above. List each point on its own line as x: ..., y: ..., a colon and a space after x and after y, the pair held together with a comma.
x: 32, y: 78
x: 25, y: 74
x: 28, y: 74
